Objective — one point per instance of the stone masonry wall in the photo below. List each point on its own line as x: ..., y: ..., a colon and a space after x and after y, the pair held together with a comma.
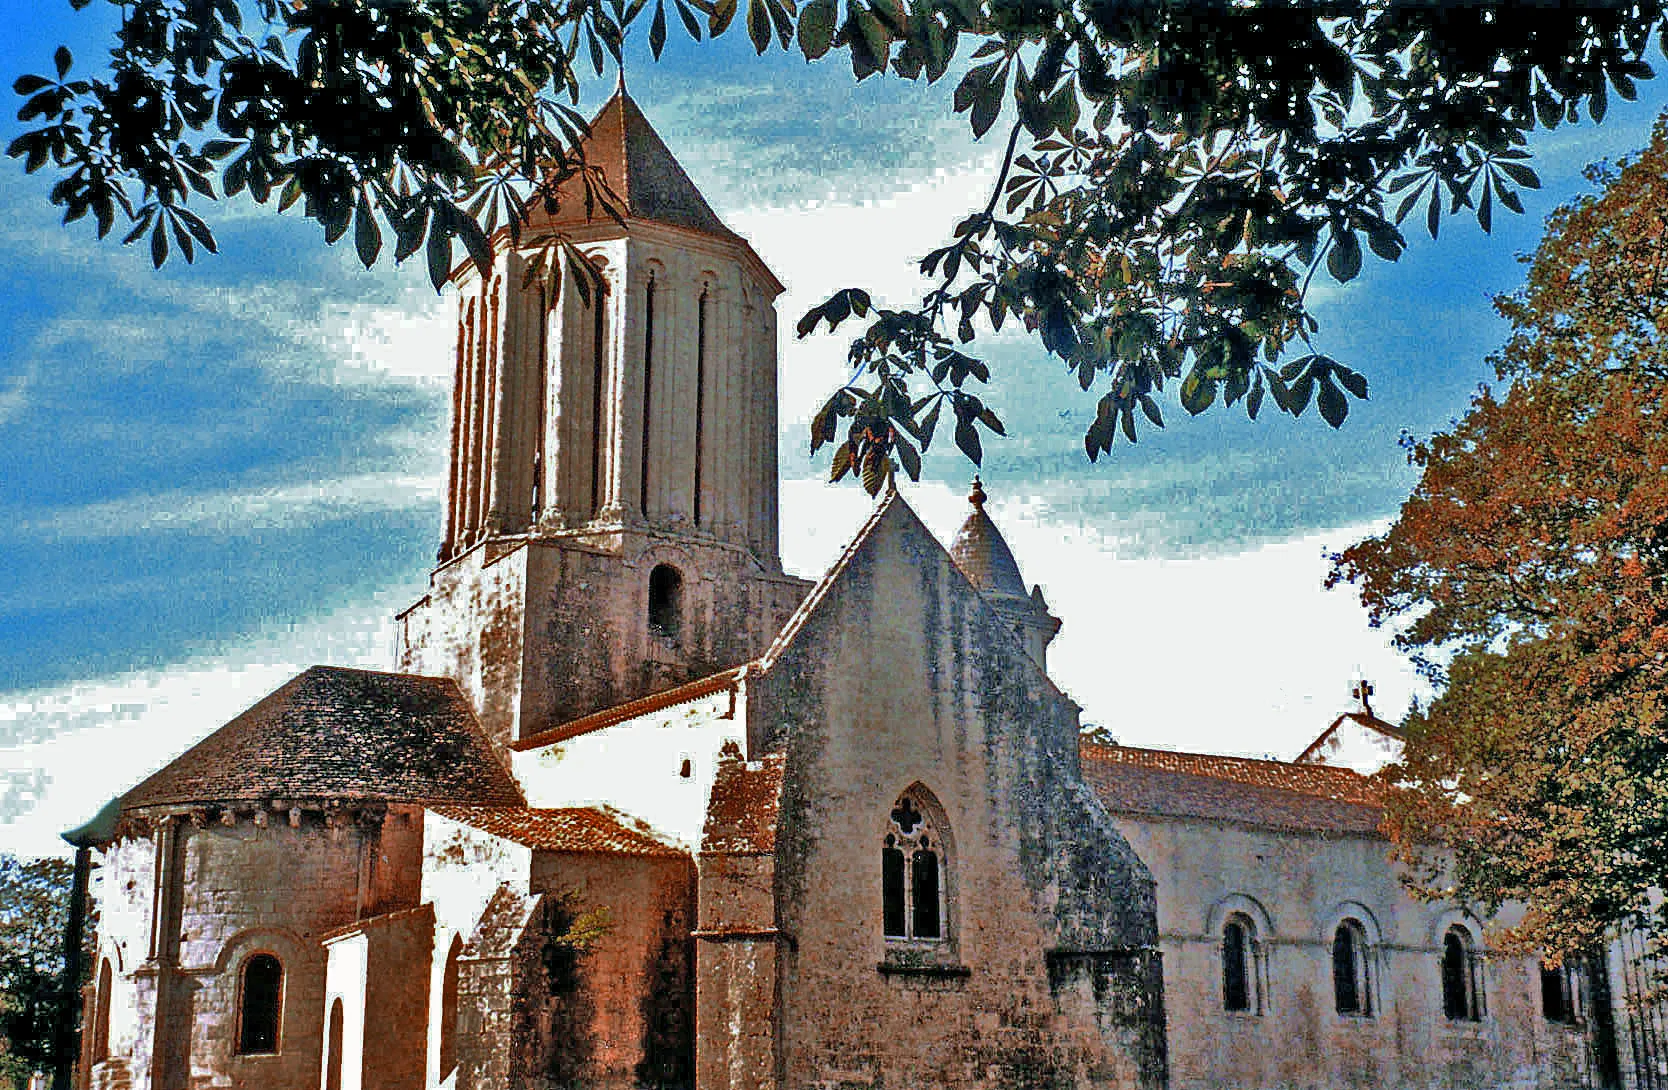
x: 900, y: 677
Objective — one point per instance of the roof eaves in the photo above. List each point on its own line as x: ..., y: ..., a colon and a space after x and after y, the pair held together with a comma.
x: 645, y: 705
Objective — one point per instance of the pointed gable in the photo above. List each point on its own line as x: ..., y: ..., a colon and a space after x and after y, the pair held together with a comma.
x: 334, y: 733
x: 641, y: 171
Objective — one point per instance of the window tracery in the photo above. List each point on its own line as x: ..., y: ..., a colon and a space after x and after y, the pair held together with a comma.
x: 912, y: 867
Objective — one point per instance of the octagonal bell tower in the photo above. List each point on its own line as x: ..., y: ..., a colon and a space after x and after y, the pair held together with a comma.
x: 611, y: 514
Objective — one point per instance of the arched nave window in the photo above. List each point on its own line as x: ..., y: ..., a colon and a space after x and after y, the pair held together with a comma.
x: 913, y: 869
x: 1462, y: 977
x: 1241, y: 965
x: 1352, y: 978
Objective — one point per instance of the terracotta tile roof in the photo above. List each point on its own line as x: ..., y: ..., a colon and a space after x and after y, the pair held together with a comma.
x: 746, y: 802
x: 641, y: 171
x: 569, y: 829
x: 632, y: 709
x: 1164, y: 783
x: 333, y: 733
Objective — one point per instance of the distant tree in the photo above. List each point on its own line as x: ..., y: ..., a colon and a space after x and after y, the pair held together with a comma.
x: 1174, y: 173
x: 1529, y: 570
x: 34, y: 908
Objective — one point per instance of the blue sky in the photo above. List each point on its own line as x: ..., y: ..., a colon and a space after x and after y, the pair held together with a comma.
x: 215, y: 474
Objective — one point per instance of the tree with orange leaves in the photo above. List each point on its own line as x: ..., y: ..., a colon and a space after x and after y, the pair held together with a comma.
x: 1528, y: 574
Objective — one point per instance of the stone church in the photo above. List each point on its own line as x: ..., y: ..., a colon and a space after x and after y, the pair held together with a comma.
x: 640, y: 809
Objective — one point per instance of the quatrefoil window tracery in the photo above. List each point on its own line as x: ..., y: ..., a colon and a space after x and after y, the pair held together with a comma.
x: 912, y: 875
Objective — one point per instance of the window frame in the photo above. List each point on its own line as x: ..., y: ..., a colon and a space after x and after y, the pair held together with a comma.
x: 664, y: 601
x: 1361, y: 973
x: 1250, y: 962
x: 241, y: 1040
x: 927, y: 835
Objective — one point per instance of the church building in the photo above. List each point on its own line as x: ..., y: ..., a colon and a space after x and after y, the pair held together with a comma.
x: 641, y: 809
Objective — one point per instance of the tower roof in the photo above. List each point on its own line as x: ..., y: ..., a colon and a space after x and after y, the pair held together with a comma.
x: 336, y: 733
x: 641, y: 171
x: 983, y: 556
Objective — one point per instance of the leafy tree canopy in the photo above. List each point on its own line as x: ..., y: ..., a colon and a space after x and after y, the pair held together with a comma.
x: 1174, y: 176
x: 1529, y: 569
x: 34, y: 909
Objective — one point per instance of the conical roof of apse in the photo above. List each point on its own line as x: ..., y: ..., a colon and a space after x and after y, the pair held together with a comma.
x: 983, y: 556
x: 641, y: 171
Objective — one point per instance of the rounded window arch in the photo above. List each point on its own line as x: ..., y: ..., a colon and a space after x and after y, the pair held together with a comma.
x: 1352, y: 969
x: 915, y: 870
x: 1462, y: 978
x: 333, y: 1047
x: 665, y: 601
x: 260, y: 1005
x: 1242, y: 965
x: 449, y: 1008
x: 101, y: 1013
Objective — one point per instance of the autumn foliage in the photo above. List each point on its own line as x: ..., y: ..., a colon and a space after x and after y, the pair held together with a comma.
x: 1529, y: 573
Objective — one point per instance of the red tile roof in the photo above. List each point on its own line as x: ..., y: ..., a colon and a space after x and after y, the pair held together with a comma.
x: 632, y: 709
x: 1165, y: 783
x: 746, y: 802
x: 334, y: 733
x: 569, y: 829
x: 640, y: 170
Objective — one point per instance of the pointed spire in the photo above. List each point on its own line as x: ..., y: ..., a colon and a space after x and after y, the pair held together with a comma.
x: 977, y: 496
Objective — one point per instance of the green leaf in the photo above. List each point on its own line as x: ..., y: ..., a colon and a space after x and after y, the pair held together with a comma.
x: 758, y: 25
x: 159, y: 243
x: 967, y: 441
x: 28, y: 85
x: 908, y: 457
x: 657, y: 29
x: 1331, y: 402
x: 1353, y: 381
x: 816, y: 28
x: 1344, y: 259
x: 367, y: 237
x: 439, y: 252
x: 842, y: 462
x: 61, y: 61
x: 1520, y: 174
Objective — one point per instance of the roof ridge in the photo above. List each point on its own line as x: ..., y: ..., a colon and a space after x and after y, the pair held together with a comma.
x: 615, y: 714
x: 1306, y: 779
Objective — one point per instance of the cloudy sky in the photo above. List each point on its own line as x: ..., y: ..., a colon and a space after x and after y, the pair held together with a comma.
x: 215, y: 475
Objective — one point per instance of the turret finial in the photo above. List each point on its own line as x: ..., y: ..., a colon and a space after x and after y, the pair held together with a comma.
x: 977, y: 496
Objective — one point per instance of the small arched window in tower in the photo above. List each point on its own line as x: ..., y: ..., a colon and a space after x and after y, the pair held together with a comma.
x: 449, y: 1008
x: 665, y: 601
x: 1240, y: 980
x: 912, y: 874
x: 1461, y: 977
x: 333, y: 1046
x: 1352, y: 991
x: 101, y: 1013
x: 260, y: 998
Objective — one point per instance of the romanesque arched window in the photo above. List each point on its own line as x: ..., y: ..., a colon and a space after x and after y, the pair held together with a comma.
x: 260, y: 1002
x: 665, y: 601
x: 913, y: 871
x: 333, y: 1047
x: 1561, y: 994
x: 101, y: 1013
x: 1352, y: 981
x: 1240, y: 978
x: 1462, y: 991
x: 449, y: 1008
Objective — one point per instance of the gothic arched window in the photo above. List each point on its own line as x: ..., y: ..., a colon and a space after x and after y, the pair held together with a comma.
x: 1352, y: 984
x: 260, y: 999
x: 1240, y: 978
x: 665, y: 601
x: 1462, y: 993
x: 912, y: 872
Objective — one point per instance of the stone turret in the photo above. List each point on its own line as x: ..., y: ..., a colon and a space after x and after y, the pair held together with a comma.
x: 611, y: 517
x: 983, y: 556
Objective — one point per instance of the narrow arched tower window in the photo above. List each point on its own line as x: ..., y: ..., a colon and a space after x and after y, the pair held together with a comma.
x: 333, y: 1045
x: 260, y: 998
x: 665, y: 601
x: 101, y: 1013
x: 449, y: 1009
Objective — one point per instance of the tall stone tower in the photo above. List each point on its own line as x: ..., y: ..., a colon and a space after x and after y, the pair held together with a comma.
x: 611, y: 510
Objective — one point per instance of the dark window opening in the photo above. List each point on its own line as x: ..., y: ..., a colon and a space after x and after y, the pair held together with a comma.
x: 892, y: 890
x: 333, y: 1073
x: 1351, y: 984
x: 923, y: 870
x: 101, y: 1014
x: 263, y: 993
x: 1461, y: 1000
x: 648, y: 394
x: 449, y: 1009
x: 1236, y: 986
x: 700, y: 396
x: 1561, y: 995
x: 665, y: 601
